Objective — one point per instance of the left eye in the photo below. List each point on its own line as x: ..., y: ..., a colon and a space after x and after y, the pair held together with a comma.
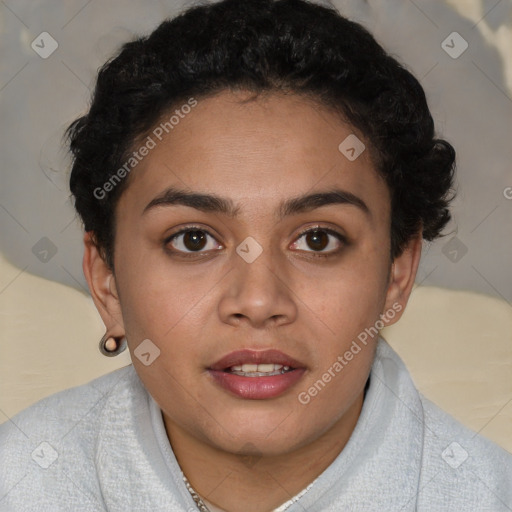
x: 318, y: 240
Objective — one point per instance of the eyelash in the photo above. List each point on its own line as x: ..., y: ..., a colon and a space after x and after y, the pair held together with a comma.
x: 341, y: 238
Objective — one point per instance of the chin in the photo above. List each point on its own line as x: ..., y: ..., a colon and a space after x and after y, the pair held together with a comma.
x: 265, y: 436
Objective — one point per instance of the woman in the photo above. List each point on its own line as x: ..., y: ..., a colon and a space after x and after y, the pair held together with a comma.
x: 255, y: 179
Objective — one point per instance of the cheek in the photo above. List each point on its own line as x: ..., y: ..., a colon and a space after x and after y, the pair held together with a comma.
x: 155, y: 294
x: 351, y: 296
x: 349, y: 306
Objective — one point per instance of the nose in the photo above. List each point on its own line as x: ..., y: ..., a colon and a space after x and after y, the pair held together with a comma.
x: 258, y: 293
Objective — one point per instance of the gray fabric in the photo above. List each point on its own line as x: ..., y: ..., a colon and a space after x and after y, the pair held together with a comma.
x: 114, y: 455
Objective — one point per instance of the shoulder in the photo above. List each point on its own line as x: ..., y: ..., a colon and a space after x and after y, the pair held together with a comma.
x: 460, y: 469
x: 58, y: 413
x: 40, y: 444
x: 469, y: 468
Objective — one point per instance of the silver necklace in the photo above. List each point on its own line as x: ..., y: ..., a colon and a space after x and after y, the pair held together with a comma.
x: 197, y: 499
x: 203, y: 508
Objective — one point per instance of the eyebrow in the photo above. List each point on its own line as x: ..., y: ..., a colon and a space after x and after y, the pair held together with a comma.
x: 213, y: 203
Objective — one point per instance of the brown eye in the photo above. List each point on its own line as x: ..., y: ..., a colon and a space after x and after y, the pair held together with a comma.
x: 194, y: 240
x: 191, y: 240
x: 317, y: 240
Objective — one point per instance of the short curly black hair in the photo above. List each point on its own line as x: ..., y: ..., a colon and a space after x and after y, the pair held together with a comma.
x: 292, y: 46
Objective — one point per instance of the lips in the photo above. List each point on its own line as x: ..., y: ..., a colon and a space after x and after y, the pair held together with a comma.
x: 229, y: 373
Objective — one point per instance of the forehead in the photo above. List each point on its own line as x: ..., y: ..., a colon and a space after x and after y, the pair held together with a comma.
x: 256, y: 152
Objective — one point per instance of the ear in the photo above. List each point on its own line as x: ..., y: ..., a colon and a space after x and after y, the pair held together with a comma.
x: 401, y: 279
x: 102, y: 285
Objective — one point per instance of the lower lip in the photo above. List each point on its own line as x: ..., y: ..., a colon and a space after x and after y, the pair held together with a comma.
x: 257, y: 388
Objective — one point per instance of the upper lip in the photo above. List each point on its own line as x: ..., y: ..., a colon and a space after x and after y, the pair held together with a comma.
x: 247, y: 356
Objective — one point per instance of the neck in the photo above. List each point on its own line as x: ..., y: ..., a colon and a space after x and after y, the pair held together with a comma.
x: 255, y: 483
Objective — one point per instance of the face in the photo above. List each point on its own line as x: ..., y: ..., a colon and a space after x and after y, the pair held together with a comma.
x: 262, y: 280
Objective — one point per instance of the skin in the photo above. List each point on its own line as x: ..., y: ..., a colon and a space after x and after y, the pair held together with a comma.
x: 199, y: 309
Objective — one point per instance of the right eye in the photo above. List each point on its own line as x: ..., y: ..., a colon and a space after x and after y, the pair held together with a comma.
x: 190, y: 240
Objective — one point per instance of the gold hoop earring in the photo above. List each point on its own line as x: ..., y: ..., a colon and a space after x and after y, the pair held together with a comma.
x: 111, y: 346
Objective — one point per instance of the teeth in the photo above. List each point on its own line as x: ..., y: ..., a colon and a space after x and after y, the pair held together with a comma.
x: 264, y: 368
x: 258, y: 370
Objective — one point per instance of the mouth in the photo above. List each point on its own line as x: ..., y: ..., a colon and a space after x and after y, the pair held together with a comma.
x: 256, y: 375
